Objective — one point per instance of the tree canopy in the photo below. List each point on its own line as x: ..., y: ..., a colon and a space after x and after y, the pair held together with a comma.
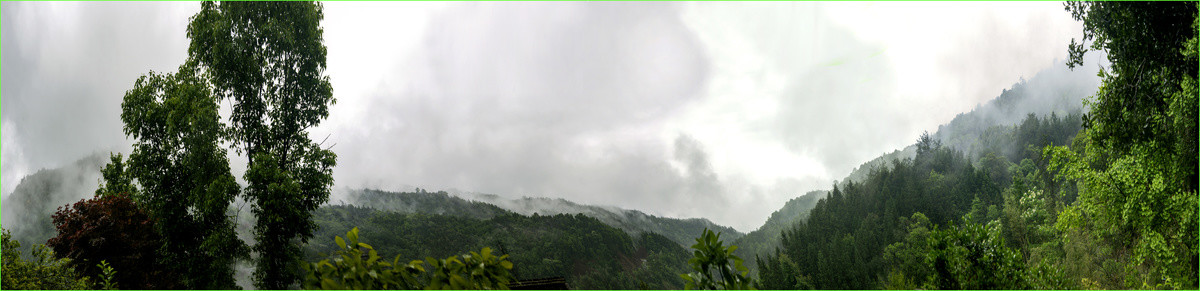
x: 268, y: 58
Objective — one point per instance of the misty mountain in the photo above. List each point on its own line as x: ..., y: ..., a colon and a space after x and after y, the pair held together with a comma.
x: 420, y: 201
x: 882, y: 162
x: 1057, y: 91
x: 992, y: 127
x: 841, y: 245
x: 27, y: 211
x: 484, y: 206
x: 765, y: 239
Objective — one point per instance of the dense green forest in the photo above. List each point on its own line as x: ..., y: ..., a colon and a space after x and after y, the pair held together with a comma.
x: 990, y: 130
x: 483, y: 206
x: 765, y: 239
x: 1037, y: 189
x: 589, y: 253
x: 841, y: 244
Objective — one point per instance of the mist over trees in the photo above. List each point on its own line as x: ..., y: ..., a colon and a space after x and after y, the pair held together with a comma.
x: 484, y: 206
x: 27, y: 210
x: 1063, y: 181
x: 1112, y: 209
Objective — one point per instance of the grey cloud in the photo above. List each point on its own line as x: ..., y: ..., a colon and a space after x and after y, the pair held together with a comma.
x: 840, y: 114
x: 569, y: 100
x: 700, y: 179
x: 542, y: 100
x: 66, y: 68
x: 577, y: 67
x: 836, y: 105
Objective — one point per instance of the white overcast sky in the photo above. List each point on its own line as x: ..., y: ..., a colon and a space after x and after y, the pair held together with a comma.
x: 714, y: 110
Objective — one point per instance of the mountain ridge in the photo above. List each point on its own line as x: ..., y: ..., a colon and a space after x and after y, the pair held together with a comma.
x: 484, y: 206
x: 1055, y: 91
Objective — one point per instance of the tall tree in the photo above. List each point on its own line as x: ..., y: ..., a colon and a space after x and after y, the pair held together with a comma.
x: 184, y: 174
x: 1135, y: 163
x: 268, y: 58
x: 1148, y: 97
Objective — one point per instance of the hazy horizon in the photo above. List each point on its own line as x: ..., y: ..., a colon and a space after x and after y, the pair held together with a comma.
x: 711, y: 110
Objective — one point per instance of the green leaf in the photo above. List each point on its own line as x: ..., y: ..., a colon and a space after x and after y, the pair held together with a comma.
x: 352, y: 235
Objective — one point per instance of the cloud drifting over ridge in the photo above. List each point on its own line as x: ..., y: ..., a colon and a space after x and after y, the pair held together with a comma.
x: 555, y: 99
x: 714, y: 110
x: 66, y: 68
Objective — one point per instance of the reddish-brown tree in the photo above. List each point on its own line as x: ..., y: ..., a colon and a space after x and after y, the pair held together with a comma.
x: 111, y: 228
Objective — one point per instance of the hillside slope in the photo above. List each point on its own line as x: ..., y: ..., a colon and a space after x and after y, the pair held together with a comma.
x: 587, y: 252
x: 26, y: 212
x: 765, y: 239
x: 484, y: 206
x: 1055, y: 94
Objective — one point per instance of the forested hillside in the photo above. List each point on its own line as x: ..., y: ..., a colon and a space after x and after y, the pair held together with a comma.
x: 1058, y: 201
x: 1006, y: 126
x: 841, y: 244
x: 27, y: 210
x: 1058, y: 91
x: 589, y: 253
x: 484, y: 206
x: 420, y: 201
x: 765, y: 239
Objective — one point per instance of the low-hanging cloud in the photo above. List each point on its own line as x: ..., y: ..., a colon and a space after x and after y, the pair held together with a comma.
x: 713, y: 110
x: 543, y: 100
x: 66, y: 68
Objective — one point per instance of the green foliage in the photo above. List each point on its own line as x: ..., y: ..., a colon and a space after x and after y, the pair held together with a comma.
x: 908, y: 258
x: 973, y: 256
x: 117, y: 180
x: 283, y: 209
x: 354, y: 269
x: 111, y: 228
x: 41, y: 273
x: 584, y: 250
x: 765, y: 239
x: 842, y: 244
x: 107, y: 276
x: 1133, y: 205
x: 475, y: 271
x: 1046, y: 275
x: 1027, y: 218
x: 780, y: 272
x: 184, y: 175
x: 711, y: 256
x: 1150, y: 47
x: 350, y: 269
x: 1135, y: 165
x: 268, y: 58
x: 867, y: 234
